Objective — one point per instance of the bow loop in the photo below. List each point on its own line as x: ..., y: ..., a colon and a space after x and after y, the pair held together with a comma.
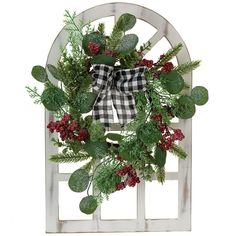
x: 103, y: 76
x: 130, y: 80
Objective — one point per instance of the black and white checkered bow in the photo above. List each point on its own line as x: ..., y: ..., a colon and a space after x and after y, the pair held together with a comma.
x: 116, y: 88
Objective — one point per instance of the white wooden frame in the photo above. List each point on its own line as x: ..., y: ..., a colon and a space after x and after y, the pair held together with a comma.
x: 183, y: 176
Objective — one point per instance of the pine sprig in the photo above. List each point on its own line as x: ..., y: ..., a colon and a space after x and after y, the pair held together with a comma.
x: 69, y: 20
x: 187, y: 67
x: 161, y: 174
x: 178, y: 151
x: 171, y: 53
x: 69, y: 157
x: 89, y: 165
x: 116, y: 35
x: 33, y: 93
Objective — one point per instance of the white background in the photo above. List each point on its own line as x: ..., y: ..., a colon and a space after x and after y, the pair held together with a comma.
x: 28, y: 29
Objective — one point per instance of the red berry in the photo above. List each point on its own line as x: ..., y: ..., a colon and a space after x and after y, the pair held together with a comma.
x: 83, y: 135
x: 162, y: 56
x: 94, y: 48
x: 145, y: 62
x: 167, y: 67
x: 73, y: 126
x: 120, y: 186
x: 156, y: 117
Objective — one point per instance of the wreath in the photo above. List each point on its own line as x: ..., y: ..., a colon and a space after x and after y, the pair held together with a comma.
x: 98, y: 76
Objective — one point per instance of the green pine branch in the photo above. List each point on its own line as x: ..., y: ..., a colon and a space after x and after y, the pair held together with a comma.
x: 69, y: 20
x: 69, y: 157
x: 161, y: 174
x: 171, y: 53
x: 178, y: 151
x: 89, y: 165
x: 116, y: 35
x: 187, y: 67
x: 33, y: 93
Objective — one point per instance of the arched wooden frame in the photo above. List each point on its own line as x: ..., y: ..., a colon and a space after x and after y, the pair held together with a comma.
x: 183, y: 176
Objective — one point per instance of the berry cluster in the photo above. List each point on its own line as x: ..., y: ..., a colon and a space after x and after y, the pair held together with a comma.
x: 169, y: 135
x: 94, y: 48
x: 167, y: 67
x: 147, y: 63
x: 68, y: 129
x: 131, y: 177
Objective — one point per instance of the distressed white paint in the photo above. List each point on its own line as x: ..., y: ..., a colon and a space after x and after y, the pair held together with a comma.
x: 183, y: 222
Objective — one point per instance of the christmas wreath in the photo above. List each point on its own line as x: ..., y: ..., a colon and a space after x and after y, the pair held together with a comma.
x: 99, y: 75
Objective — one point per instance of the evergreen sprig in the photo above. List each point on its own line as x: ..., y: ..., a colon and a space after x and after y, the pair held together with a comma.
x: 187, y: 67
x: 171, y: 53
x: 69, y: 157
x: 161, y: 174
x: 178, y: 151
x: 33, y: 93
x: 89, y: 165
x: 70, y: 24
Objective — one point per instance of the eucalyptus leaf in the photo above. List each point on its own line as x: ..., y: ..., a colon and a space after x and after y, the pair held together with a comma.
x: 53, y: 98
x: 54, y: 72
x: 88, y: 205
x: 114, y: 137
x: 173, y: 82
x: 126, y: 22
x: 79, y: 180
x: 96, y: 149
x: 39, y: 73
x: 85, y: 101
x: 199, y: 94
x: 127, y: 44
x: 185, y: 107
x: 104, y: 59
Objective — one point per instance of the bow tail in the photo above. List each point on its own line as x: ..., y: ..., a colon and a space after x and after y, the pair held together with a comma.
x: 125, y: 106
x: 102, y: 110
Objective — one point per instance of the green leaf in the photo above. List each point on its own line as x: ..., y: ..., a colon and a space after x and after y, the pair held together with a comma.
x: 130, y: 149
x: 159, y: 157
x: 186, y: 107
x: 96, y: 131
x: 106, y: 179
x: 126, y: 22
x: 199, y: 94
x: 54, y: 72
x: 148, y: 133
x: 39, y: 73
x: 85, y: 101
x: 53, y: 98
x: 94, y: 37
x: 88, y: 205
x: 96, y: 149
x: 172, y: 82
x: 103, y: 59
x: 127, y: 44
x: 79, y: 180
x: 114, y: 137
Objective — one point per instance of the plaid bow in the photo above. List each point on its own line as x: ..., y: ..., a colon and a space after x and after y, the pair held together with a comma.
x: 116, y: 88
